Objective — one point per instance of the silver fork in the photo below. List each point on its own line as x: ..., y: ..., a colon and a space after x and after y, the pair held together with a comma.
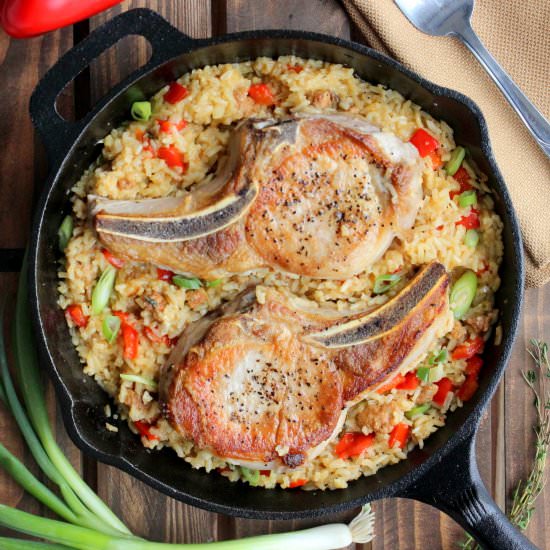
x: 452, y: 17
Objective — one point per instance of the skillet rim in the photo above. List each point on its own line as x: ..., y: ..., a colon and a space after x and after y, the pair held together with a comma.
x: 466, y: 430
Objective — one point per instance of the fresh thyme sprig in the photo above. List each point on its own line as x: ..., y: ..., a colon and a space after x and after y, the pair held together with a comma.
x: 527, y: 491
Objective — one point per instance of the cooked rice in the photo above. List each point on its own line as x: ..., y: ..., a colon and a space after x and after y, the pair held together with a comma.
x: 218, y: 99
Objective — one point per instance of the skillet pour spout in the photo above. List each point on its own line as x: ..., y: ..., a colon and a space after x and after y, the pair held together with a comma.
x: 443, y: 473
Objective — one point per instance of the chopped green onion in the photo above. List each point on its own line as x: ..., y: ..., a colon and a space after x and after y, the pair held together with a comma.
x: 65, y: 232
x: 214, y: 283
x: 468, y: 198
x: 471, y: 238
x: 439, y: 357
x: 252, y: 476
x: 463, y: 293
x: 110, y: 328
x: 186, y: 282
x: 139, y: 379
x: 383, y: 283
x: 453, y: 164
x: 416, y: 411
x: 422, y: 373
x: 102, y: 290
x: 436, y: 374
x: 141, y: 110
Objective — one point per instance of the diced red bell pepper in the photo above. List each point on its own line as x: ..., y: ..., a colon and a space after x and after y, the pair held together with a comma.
x: 155, y: 338
x: 130, y: 341
x: 144, y: 430
x: 112, y: 259
x: 168, y: 126
x: 176, y: 92
x: 388, y: 386
x: 468, y: 388
x: 444, y: 386
x: 77, y: 315
x: 164, y: 274
x: 172, y: 157
x: 295, y: 68
x: 353, y: 444
x: 122, y: 315
x: 482, y: 269
x: 473, y: 365
x: 424, y: 142
x: 470, y: 221
x: 266, y: 473
x: 399, y: 435
x: 297, y: 483
x: 468, y: 349
x: 463, y: 178
x: 410, y: 383
x: 261, y: 94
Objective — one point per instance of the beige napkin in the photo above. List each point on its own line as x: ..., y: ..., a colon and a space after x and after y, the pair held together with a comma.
x: 518, y: 35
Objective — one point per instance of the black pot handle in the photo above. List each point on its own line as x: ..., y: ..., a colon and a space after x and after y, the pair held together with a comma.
x: 454, y: 486
x: 59, y: 134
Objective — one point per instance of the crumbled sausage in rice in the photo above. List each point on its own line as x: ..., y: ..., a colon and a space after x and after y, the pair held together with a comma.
x: 323, y: 99
x: 380, y: 417
x: 481, y: 323
x: 196, y: 298
x: 426, y: 394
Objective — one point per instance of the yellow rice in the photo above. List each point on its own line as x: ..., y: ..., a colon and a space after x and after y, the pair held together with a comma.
x: 217, y: 100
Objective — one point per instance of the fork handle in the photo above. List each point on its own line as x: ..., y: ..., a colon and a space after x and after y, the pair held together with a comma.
x: 529, y: 114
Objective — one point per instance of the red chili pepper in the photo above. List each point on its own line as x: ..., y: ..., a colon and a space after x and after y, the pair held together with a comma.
x: 295, y: 68
x: 77, y: 315
x: 471, y: 221
x: 113, y: 260
x: 473, y: 365
x: 169, y: 126
x: 155, y: 338
x: 261, y: 94
x: 468, y: 388
x: 26, y: 18
x: 399, y: 435
x: 164, y: 274
x: 353, y: 444
x: 130, y: 341
x: 410, y: 383
x: 297, y: 483
x: 468, y: 349
x: 388, y: 386
x: 444, y: 386
x: 176, y: 92
x: 144, y: 430
x: 172, y: 157
x: 424, y: 142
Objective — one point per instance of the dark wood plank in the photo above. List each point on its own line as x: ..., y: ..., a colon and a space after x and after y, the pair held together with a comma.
x: 23, y: 167
x: 144, y: 510
x: 520, y: 416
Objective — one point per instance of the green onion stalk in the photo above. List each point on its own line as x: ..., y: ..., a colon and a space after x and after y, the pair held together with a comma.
x: 30, y: 385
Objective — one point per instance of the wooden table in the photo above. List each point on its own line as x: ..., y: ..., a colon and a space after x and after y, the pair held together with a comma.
x: 505, y: 441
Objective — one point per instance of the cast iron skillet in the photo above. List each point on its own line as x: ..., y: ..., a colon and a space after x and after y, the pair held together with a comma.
x: 444, y: 473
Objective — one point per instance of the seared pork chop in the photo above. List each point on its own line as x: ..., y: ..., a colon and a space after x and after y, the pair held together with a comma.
x: 268, y: 384
x: 321, y: 196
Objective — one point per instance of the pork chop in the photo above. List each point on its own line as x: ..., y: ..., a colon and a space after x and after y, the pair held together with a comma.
x: 321, y: 196
x: 268, y: 384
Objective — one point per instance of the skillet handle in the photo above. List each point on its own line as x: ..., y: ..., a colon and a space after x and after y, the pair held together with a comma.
x: 455, y: 487
x: 59, y: 134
